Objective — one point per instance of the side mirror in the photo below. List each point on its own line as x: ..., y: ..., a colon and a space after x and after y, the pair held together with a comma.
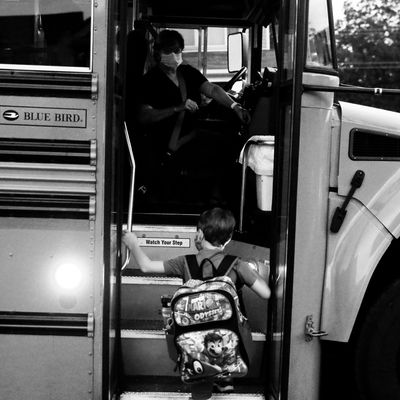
x: 237, y: 54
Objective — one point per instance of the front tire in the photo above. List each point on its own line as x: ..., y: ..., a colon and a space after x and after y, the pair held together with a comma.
x: 377, y: 355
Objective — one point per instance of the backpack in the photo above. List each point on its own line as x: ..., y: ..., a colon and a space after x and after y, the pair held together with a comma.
x: 207, y: 333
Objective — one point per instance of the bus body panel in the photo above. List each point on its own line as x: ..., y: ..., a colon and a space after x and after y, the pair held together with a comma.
x: 102, y: 115
x: 48, y: 117
x: 30, y: 279
x: 45, y: 367
x: 371, y: 222
x: 353, y: 254
x: 61, y: 366
x: 35, y: 252
x: 310, y: 240
x: 380, y: 191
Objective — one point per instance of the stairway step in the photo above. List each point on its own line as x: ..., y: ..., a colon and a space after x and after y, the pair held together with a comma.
x: 142, y: 325
x: 149, y: 346
x: 186, y: 396
x: 136, y: 279
x: 173, y: 385
x: 141, y: 295
x: 156, y: 333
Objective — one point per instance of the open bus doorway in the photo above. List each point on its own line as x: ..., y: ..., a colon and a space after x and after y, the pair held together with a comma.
x: 161, y: 223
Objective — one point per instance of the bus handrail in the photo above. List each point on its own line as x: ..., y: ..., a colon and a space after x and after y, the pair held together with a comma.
x: 131, y: 192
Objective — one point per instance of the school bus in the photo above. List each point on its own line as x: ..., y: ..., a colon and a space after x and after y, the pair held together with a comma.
x: 319, y: 217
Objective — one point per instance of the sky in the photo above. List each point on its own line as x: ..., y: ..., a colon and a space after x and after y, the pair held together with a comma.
x: 337, y: 6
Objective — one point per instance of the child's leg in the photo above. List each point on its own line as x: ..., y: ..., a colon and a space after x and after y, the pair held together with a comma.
x: 224, y: 385
x: 202, y: 390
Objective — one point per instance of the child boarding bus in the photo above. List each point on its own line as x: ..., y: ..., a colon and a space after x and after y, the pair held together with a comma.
x: 318, y: 216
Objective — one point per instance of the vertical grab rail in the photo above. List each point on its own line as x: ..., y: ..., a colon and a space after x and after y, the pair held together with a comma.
x: 131, y: 192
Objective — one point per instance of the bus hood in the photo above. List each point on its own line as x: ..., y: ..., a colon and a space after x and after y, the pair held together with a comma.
x: 370, y: 118
x: 370, y: 141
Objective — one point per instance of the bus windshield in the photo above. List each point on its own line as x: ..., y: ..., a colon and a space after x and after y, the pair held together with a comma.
x: 46, y: 35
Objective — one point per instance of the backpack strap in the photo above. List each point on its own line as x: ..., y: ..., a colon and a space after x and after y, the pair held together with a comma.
x: 225, y: 265
x: 224, y: 268
x: 207, y: 269
x: 193, y: 266
x: 196, y: 271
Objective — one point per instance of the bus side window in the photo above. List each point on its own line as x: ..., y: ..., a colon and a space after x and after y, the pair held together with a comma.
x: 55, y: 34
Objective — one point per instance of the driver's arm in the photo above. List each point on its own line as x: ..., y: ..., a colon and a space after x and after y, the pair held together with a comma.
x: 149, y: 115
x: 219, y: 95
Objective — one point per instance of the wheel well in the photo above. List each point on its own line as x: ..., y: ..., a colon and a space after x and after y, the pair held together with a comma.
x: 384, y: 275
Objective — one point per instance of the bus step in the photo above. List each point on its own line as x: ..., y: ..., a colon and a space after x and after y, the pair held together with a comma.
x: 150, y: 346
x: 141, y: 299
x: 159, y: 334
x: 186, y: 396
x: 150, y: 280
x: 141, y: 295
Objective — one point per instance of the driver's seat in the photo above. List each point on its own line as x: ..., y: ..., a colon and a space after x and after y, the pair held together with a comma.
x: 262, y: 121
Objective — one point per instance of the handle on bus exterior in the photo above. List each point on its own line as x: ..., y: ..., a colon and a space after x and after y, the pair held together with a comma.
x: 131, y: 192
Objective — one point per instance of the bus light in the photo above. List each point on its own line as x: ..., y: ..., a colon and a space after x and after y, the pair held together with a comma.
x: 68, y: 276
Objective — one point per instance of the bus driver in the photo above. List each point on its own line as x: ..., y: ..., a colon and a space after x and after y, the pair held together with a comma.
x: 170, y: 97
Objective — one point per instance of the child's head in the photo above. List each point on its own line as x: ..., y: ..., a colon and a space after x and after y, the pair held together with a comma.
x: 217, y: 226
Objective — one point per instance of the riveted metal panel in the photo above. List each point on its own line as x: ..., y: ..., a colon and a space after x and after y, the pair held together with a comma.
x: 45, y: 367
x: 28, y: 267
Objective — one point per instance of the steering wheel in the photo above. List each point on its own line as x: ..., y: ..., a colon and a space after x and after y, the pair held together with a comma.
x: 219, y: 121
x: 228, y: 85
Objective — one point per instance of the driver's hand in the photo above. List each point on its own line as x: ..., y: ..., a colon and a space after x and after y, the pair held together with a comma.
x: 242, y: 113
x: 190, y: 105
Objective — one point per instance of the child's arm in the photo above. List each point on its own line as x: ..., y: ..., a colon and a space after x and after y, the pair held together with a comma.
x: 144, y: 262
x: 252, y: 278
x: 261, y: 288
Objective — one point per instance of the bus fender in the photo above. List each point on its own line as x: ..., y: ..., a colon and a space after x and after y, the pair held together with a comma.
x: 352, y: 256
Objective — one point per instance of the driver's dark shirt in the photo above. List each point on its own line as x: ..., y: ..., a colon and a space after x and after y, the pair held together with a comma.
x: 160, y: 92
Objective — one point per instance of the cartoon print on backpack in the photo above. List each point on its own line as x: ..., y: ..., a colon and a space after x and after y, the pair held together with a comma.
x: 193, y: 368
x: 201, y: 309
x: 213, y: 347
x: 213, y: 352
x: 220, y: 353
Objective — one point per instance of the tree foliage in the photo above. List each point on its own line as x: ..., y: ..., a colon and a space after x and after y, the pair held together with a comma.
x: 368, y: 49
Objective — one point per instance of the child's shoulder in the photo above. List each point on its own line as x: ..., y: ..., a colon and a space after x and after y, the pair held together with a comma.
x: 238, y: 261
x: 244, y: 265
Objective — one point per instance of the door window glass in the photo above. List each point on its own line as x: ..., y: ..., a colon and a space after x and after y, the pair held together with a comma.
x: 206, y: 49
x: 45, y: 34
x: 319, y: 48
x: 268, y: 48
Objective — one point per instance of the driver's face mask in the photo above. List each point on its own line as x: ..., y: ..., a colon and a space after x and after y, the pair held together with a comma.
x: 171, y: 60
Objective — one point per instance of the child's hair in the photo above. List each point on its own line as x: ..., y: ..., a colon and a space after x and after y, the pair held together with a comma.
x: 217, y: 225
